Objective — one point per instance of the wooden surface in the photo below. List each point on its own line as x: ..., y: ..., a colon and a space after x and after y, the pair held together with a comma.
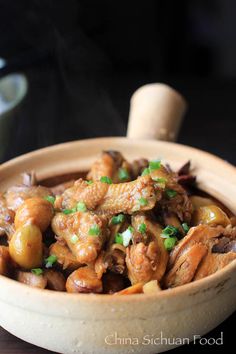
x: 12, y: 345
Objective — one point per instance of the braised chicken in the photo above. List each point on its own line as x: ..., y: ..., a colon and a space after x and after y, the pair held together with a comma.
x: 125, y: 228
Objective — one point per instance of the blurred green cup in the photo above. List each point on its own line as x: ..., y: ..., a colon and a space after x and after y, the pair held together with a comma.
x: 13, y: 89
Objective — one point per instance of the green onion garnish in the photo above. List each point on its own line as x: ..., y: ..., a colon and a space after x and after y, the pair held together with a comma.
x: 159, y: 180
x: 171, y: 193
x: 50, y: 261
x: 123, y: 174
x: 127, y: 236
x: 170, y: 242
x: 131, y: 229
x: 69, y: 211
x: 142, y: 228
x: 185, y: 227
x: 81, y: 207
x: 37, y: 271
x: 145, y: 172
x: 94, y: 230
x: 50, y: 199
x: 119, y: 239
x: 74, y: 239
x: 118, y: 219
x: 89, y: 182
x: 106, y: 179
x: 143, y: 201
x: 154, y: 165
x: 169, y: 231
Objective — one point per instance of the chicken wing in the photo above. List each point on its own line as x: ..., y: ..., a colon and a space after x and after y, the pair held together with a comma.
x: 147, y: 258
x: 111, y: 198
x: 84, y: 234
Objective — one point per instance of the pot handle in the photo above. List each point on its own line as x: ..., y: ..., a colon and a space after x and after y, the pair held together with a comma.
x: 156, y: 112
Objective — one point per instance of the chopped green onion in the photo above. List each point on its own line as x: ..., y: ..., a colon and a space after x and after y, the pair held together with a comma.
x: 185, y: 227
x: 142, y: 228
x: 50, y: 199
x: 170, y: 242
x: 123, y: 174
x: 145, y: 172
x: 81, y: 207
x: 119, y: 239
x: 171, y: 193
x: 131, y: 229
x: 169, y: 231
x: 154, y: 165
x: 94, y: 230
x: 37, y: 271
x: 118, y: 219
x: 50, y: 261
x: 69, y: 211
x: 127, y: 236
x: 106, y: 179
x: 89, y: 182
x: 159, y: 180
x: 143, y: 201
x: 74, y: 239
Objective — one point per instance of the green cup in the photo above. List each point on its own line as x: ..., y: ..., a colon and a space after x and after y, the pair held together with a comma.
x: 13, y: 89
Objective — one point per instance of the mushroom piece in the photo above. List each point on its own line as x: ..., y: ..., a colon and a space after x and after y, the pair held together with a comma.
x: 112, y: 283
x: 194, y: 256
x: 84, y: 280
x: 213, y: 262
x: 185, y: 267
x: 203, y: 234
x: 224, y: 245
x: 37, y: 281
x: 55, y: 280
x: 5, y: 261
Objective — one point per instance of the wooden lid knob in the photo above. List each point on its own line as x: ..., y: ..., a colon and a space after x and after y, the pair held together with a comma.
x: 156, y: 112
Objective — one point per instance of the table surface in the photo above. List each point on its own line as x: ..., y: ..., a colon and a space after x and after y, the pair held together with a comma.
x: 217, y: 136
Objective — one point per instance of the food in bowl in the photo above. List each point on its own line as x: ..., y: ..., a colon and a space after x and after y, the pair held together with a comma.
x: 122, y: 228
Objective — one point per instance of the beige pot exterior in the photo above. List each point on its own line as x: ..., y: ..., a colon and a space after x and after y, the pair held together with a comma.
x: 71, y: 323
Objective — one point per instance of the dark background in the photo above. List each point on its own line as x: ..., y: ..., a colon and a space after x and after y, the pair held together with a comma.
x: 84, y: 59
